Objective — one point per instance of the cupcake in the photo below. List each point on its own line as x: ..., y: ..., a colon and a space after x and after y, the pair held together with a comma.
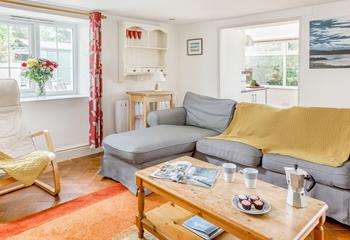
x: 242, y: 197
x: 246, y: 204
x: 253, y: 198
x: 258, y: 204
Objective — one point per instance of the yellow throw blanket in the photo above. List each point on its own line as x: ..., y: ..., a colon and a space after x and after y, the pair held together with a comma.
x: 319, y: 135
x: 25, y: 169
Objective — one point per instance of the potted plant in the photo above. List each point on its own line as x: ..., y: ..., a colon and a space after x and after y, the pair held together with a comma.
x: 40, y: 71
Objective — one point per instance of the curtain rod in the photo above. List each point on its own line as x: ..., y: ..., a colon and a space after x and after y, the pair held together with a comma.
x: 48, y: 7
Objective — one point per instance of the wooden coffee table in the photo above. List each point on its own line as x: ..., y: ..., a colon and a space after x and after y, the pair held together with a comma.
x: 215, y: 205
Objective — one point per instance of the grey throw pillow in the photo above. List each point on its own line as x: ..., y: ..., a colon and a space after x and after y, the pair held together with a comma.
x: 207, y: 112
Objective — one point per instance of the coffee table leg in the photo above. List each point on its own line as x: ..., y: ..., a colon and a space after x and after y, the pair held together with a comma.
x: 319, y: 230
x: 141, y: 206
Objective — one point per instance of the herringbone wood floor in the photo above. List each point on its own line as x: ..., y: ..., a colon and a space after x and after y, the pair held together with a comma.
x: 79, y: 177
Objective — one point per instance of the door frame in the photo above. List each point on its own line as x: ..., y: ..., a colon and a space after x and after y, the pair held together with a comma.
x: 256, y: 24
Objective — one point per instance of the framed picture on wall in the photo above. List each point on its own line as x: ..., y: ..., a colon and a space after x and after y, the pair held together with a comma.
x: 195, y: 47
x: 330, y: 43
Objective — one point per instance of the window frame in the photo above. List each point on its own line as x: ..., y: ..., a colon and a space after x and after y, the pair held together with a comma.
x: 30, y: 26
x: 34, y: 50
x: 284, y: 53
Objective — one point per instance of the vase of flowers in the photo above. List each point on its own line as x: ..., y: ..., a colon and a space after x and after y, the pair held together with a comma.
x: 40, y: 71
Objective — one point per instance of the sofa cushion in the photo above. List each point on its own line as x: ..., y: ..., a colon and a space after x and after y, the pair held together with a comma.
x: 146, y: 144
x: 230, y: 151
x: 206, y: 112
x: 331, y: 176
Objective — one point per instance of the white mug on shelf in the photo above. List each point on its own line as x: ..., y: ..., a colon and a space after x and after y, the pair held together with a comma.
x: 250, y: 177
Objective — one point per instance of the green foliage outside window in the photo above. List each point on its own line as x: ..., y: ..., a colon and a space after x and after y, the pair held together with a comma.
x: 274, y: 63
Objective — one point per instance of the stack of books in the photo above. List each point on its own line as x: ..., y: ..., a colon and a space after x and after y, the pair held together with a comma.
x: 202, y: 228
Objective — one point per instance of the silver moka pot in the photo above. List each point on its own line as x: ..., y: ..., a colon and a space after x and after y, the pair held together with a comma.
x: 296, y: 179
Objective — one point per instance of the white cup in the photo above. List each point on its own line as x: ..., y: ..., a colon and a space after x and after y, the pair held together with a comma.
x: 229, y: 171
x: 250, y: 177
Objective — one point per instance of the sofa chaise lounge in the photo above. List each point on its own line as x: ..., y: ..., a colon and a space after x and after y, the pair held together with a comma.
x: 184, y: 131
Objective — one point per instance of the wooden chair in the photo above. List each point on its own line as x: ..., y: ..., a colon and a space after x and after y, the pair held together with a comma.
x: 16, y: 141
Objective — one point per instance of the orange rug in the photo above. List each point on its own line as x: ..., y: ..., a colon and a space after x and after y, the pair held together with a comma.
x: 99, y: 216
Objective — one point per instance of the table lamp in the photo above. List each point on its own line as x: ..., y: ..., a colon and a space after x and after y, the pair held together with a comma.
x: 158, y: 77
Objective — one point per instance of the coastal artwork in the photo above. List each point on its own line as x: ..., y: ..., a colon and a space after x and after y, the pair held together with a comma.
x: 330, y: 43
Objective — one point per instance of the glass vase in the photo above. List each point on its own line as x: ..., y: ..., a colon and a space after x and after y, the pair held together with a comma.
x: 40, y: 90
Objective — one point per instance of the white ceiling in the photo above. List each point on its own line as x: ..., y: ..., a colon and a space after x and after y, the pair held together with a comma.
x: 184, y: 11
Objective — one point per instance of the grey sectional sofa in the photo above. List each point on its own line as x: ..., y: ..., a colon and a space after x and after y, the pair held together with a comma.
x: 183, y: 131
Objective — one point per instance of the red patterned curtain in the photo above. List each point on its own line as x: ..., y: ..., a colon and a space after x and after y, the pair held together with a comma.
x: 95, y: 102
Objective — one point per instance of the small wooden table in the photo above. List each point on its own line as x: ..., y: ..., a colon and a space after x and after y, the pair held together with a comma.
x: 215, y: 205
x: 147, y: 97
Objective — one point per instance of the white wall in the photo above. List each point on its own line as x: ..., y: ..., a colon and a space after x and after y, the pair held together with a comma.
x: 327, y: 87
x: 112, y: 89
x: 231, y: 63
x: 68, y: 119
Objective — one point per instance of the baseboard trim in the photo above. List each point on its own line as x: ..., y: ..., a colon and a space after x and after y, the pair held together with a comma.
x: 76, y: 152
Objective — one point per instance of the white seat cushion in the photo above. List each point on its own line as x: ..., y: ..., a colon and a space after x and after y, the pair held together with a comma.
x: 148, y: 144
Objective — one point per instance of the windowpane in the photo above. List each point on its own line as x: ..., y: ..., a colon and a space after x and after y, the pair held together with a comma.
x: 293, y: 45
x: 267, y: 70
x: 62, y: 81
x: 4, y: 73
x: 19, y: 44
x: 16, y: 73
x: 49, y: 54
x: 47, y: 37
x: 17, y: 57
x: 64, y: 38
x: 65, y: 77
x: 263, y: 47
x: 19, y: 37
x: 59, y: 50
x: 292, y: 70
x: 14, y: 47
x: 65, y: 59
x: 3, y: 38
x: 4, y: 57
x: 274, y: 63
x: 51, y: 84
x: 26, y: 84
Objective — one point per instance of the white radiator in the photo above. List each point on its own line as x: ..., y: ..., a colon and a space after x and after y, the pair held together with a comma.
x: 121, y: 115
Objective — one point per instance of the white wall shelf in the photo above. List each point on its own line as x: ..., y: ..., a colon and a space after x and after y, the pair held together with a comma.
x: 142, y: 50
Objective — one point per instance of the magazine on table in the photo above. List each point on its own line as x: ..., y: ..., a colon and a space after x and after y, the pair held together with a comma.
x: 202, y: 228
x: 185, y: 172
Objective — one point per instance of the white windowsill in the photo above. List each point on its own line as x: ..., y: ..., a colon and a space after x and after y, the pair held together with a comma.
x: 50, y: 98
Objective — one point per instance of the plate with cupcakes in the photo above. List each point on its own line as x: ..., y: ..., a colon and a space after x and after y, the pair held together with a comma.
x: 251, y: 204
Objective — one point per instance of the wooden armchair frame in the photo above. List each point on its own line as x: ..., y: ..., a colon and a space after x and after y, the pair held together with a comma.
x: 55, y: 173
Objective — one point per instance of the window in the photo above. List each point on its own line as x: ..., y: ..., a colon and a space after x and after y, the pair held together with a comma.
x: 56, y: 43
x: 274, y: 63
x: 15, y: 47
x: 18, y: 41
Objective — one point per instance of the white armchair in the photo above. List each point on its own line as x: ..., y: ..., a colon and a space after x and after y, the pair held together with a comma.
x: 16, y: 141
